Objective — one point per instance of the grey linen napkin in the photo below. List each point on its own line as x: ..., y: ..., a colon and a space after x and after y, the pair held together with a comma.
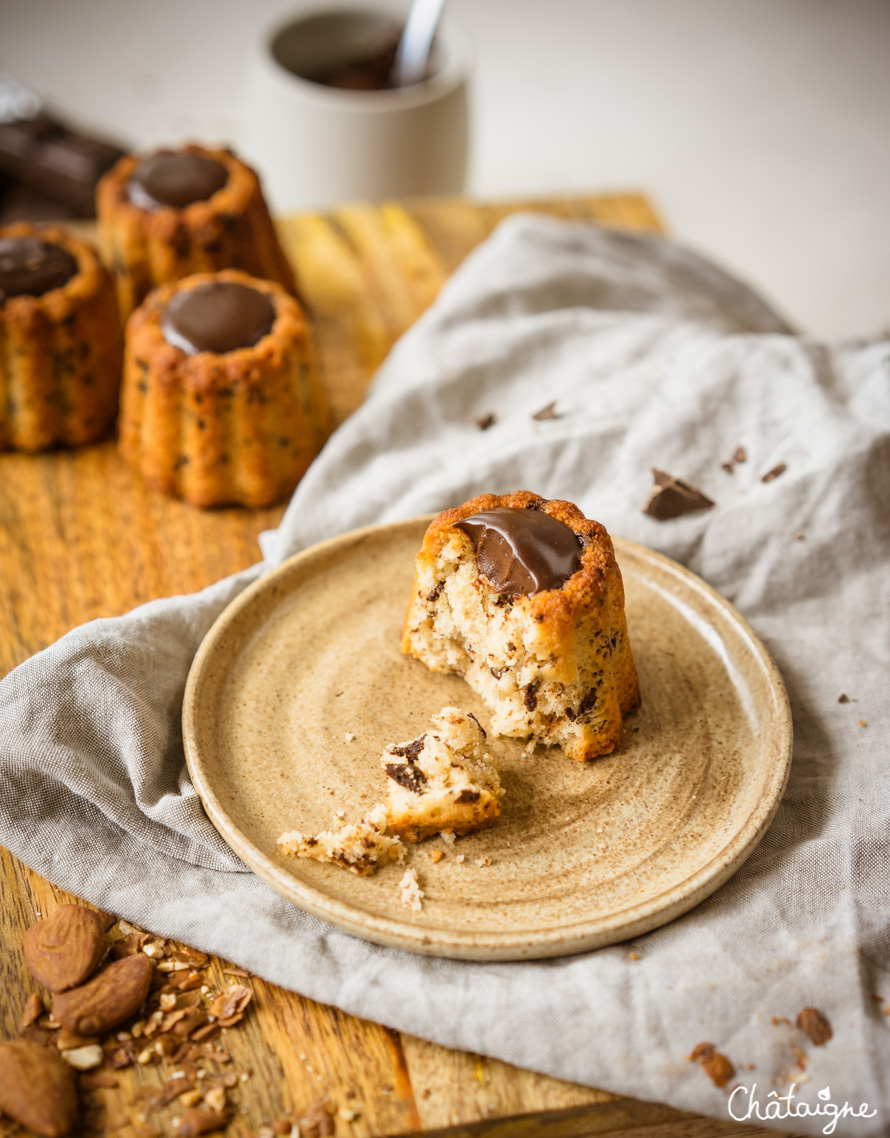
x: 653, y: 357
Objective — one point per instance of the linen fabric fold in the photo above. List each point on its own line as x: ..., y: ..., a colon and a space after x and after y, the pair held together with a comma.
x: 652, y: 357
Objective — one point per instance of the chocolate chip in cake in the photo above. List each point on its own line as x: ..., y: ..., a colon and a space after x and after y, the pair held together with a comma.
x: 531, y: 694
x: 408, y: 751
x: 674, y: 498
x: 411, y: 777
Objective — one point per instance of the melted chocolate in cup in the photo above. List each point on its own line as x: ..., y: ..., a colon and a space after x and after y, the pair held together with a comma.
x: 522, y: 551
x: 169, y: 178
x: 219, y: 317
x: 31, y: 267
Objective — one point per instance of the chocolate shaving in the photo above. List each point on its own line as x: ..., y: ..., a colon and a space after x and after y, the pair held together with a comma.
x: 485, y: 421
x: 548, y: 412
x: 470, y: 715
x: 674, y: 498
x: 775, y: 472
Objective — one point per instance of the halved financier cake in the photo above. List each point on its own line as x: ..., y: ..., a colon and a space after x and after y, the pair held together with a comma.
x: 523, y: 598
x: 445, y: 779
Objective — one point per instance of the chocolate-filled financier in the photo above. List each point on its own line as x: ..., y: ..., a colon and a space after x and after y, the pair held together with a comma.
x: 60, y: 341
x: 168, y: 215
x: 221, y: 402
x: 523, y: 598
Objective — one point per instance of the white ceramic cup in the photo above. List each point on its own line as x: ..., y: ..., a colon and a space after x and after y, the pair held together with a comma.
x: 316, y: 146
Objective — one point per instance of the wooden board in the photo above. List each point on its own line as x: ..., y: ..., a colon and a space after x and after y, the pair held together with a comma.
x: 80, y: 537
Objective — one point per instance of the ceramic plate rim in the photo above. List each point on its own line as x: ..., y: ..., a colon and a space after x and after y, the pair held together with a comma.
x: 622, y: 924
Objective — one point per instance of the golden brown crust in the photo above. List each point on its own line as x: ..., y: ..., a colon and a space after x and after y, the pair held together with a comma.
x: 60, y: 354
x: 564, y: 626
x: 231, y: 229
x: 241, y: 427
x: 559, y: 608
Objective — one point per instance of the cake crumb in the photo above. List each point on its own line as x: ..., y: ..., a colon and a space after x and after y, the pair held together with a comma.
x: 437, y: 856
x: 718, y: 1068
x: 349, y: 736
x: 633, y: 956
x: 862, y: 723
x: 483, y: 861
x: 449, y: 837
x: 359, y: 847
x: 412, y: 894
x: 460, y: 859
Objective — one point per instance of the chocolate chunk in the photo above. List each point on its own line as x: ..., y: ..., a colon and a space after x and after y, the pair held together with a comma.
x: 775, y: 472
x: 485, y: 421
x: 31, y: 267
x: 172, y: 178
x: 468, y: 796
x: 548, y: 412
x: 530, y: 692
x: 436, y: 591
x: 217, y: 317
x: 411, y: 777
x: 673, y: 498
x: 48, y: 163
x: 409, y: 751
x: 589, y: 700
x: 522, y: 550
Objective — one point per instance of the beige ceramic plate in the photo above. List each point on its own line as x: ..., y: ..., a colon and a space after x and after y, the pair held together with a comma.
x: 583, y: 855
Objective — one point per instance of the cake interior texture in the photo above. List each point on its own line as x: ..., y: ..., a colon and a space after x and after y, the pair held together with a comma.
x: 554, y: 666
x: 445, y: 779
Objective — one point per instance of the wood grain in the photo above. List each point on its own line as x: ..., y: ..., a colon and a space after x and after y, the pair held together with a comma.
x: 81, y: 537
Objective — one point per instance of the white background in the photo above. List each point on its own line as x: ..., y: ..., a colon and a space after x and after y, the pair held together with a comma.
x: 760, y: 127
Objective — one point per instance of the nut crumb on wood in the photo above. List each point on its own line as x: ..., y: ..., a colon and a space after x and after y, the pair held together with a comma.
x: 411, y: 893
x: 436, y: 856
x: 862, y: 723
x: 815, y: 1025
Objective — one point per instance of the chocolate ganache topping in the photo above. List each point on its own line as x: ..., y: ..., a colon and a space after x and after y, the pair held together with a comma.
x: 217, y: 317
x: 169, y: 178
x: 522, y: 551
x: 31, y: 267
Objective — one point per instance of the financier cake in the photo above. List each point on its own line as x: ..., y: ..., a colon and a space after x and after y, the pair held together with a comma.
x: 167, y: 215
x: 523, y: 598
x: 60, y: 341
x: 221, y: 402
x: 445, y: 779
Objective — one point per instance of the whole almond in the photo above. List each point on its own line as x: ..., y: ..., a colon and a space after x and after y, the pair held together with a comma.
x: 63, y: 950
x: 36, y: 1088
x: 108, y: 999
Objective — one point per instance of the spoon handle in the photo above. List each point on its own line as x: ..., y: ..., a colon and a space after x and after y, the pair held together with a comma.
x: 417, y: 39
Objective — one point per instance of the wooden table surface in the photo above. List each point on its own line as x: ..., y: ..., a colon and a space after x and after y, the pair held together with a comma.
x: 80, y: 537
